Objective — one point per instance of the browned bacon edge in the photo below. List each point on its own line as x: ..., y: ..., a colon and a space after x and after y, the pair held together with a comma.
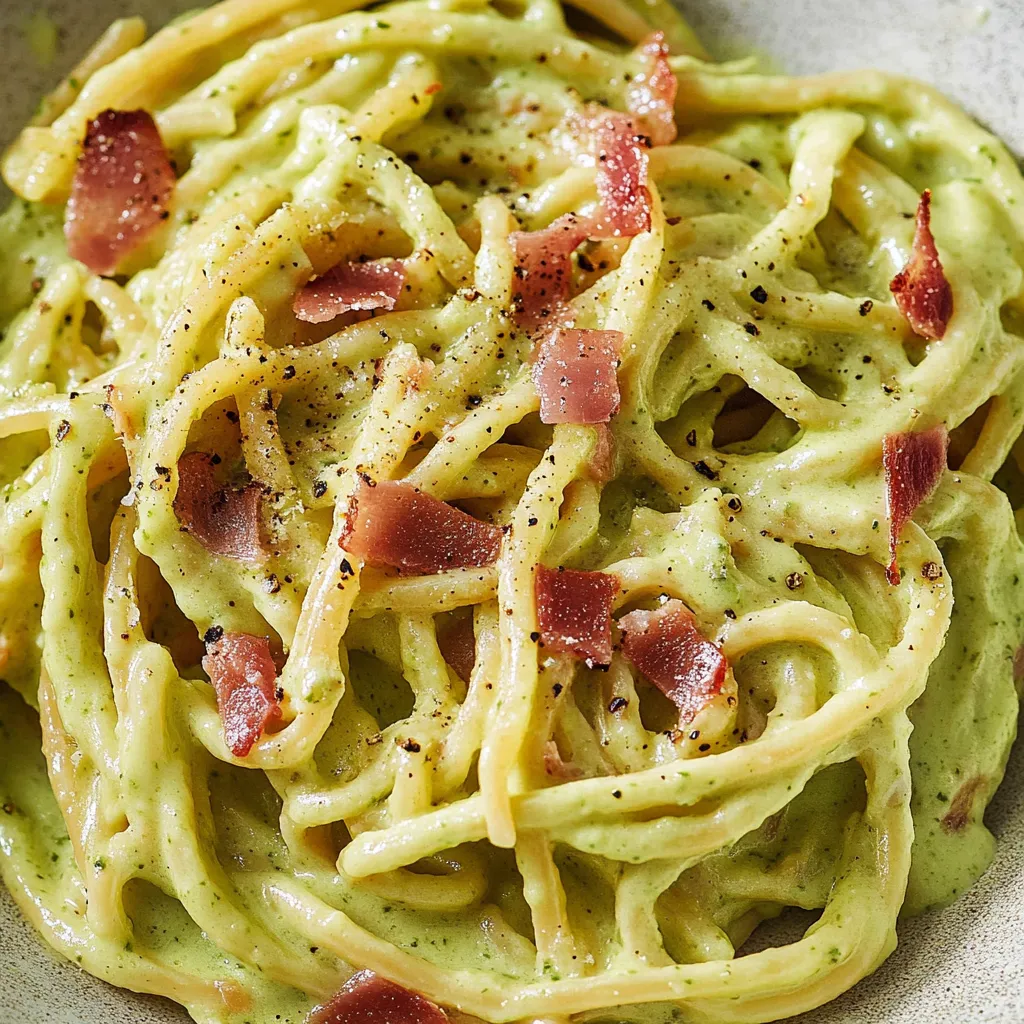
x: 367, y: 998
x: 121, y: 189
x: 391, y: 523
x: 669, y: 649
x: 574, y: 612
x: 923, y: 294
x: 226, y: 521
x: 913, y: 465
x: 576, y: 376
x: 348, y: 287
x: 244, y: 677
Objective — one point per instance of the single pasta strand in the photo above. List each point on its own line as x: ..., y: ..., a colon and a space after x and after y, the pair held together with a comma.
x: 533, y: 522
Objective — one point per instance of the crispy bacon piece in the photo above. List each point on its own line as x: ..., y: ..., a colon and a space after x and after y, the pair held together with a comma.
x: 226, y: 521
x: 923, y: 294
x: 575, y: 376
x: 543, y: 264
x: 652, y: 94
x: 393, y: 524
x: 621, y: 157
x: 913, y: 466
x: 120, y: 191
x: 375, y: 284
x: 666, y: 646
x: 457, y: 643
x: 544, y: 269
x: 244, y: 677
x: 367, y: 998
x: 574, y: 612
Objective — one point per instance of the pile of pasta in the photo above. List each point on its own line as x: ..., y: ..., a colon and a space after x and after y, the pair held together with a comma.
x: 485, y: 490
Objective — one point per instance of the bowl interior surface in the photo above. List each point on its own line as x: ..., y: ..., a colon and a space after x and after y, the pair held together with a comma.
x: 963, y: 964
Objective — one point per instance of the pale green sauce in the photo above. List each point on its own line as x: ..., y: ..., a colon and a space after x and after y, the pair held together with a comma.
x: 830, y: 515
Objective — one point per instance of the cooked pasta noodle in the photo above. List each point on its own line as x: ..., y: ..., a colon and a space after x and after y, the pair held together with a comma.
x: 533, y: 838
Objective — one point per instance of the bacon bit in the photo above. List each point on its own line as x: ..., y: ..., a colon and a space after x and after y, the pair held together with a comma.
x: 120, y: 191
x: 393, y: 524
x: 575, y: 376
x: 243, y: 675
x: 458, y: 646
x: 1018, y: 665
x: 923, y: 294
x: 375, y: 284
x: 602, y: 461
x: 666, y: 646
x: 913, y: 464
x: 652, y: 94
x: 574, y: 612
x: 367, y: 998
x: 544, y: 269
x: 959, y: 813
x: 226, y: 521
x: 556, y: 767
x: 621, y: 176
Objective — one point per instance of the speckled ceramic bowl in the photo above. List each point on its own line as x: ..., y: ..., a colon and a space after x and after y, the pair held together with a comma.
x: 965, y: 964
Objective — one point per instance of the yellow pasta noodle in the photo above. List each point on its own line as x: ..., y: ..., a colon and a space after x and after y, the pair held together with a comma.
x: 532, y: 839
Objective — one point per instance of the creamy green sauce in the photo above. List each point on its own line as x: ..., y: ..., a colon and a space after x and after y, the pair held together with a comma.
x: 788, y: 506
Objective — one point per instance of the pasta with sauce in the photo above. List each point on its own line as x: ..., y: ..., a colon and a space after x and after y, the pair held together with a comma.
x: 497, y: 509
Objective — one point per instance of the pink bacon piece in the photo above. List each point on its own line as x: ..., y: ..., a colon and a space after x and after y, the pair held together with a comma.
x: 121, y: 189
x: 543, y: 258
x: 367, y: 998
x: 544, y: 269
x: 913, y: 465
x: 348, y: 287
x: 575, y: 376
x: 669, y: 649
x: 457, y: 644
x: 651, y: 95
x: 922, y: 292
x: 393, y: 524
x: 574, y: 612
x: 244, y: 676
x: 1018, y: 665
x: 621, y: 155
x: 225, y: 521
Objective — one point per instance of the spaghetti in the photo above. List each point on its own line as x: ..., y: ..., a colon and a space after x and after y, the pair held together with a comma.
x: 445, y: 521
